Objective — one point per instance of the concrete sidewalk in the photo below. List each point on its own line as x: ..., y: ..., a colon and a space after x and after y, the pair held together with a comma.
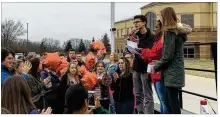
x: 200, y: 85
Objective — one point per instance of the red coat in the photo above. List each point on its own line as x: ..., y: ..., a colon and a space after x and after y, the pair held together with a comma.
x: 155, y: 53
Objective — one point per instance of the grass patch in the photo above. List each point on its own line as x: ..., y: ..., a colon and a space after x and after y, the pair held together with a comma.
x: 200, y: 64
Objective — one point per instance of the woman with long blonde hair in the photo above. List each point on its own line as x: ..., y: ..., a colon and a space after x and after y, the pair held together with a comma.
x: 71, y: 77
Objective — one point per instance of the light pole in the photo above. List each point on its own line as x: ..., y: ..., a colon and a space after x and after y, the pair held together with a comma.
x: 112, y: 26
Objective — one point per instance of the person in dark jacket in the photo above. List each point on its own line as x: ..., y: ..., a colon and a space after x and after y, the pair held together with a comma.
x: 172, y: 62
x: 7, y: 59
x: 79, y: 59
x: 142, y: 83
x: 37, y: 86
x: 77, y: 101
x: 123, y: 88
x: 71, y: 55
x: 51, y: 97
x: 71, y: 77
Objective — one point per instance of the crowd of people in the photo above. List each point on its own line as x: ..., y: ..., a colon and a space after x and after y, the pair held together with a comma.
x: 58, y: 84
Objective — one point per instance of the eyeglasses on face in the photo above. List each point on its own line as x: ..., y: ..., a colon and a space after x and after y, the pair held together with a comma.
x: 135, y: 22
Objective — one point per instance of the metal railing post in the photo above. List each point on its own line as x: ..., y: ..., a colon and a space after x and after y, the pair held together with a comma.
x: 214, y: 55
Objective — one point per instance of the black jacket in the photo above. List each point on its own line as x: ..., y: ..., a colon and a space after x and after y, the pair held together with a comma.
x: 123, y: 88
x: 61, y: 91
x: 145, y: 41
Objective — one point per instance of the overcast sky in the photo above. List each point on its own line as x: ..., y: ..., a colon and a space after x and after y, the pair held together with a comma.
x: 67, y: 20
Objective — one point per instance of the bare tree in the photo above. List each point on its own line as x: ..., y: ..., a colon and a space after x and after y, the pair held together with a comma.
x: 11, y: 30
x: 50, y: 44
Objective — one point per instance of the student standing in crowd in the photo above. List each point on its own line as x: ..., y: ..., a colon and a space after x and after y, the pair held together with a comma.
x: 49, y: 73
x: 36, y: 85
x: 75, y: 61
x: 104, y: 82
x: 18, y: 65
x: 122, y: 86
x: 172, y: 62
x: 7, y: 59
x: 18, y: 102
x: 71, y: 55
x: 79, y: 58
x: 130, y: 58
x: 77, y: 101
x: 142, y: 82
x: 71, y: 77
x: 155, y: 53
x: 112, y: 65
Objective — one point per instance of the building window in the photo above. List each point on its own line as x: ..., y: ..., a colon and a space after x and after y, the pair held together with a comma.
x: 117, y: 33
x: 121, y: 32
x: 151, y: 20
x: 188, y: 19
x: 117, y: 49
x: 121, y: 50
x: 189, y: 52
x: 127, y: 31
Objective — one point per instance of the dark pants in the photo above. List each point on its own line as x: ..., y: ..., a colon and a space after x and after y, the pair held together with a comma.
x: 172, y: 100
x: 125, y: 107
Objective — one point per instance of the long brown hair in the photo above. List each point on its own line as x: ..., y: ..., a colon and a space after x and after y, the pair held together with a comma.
x: 68, y: 68
x: 127, y: 67
x: 77, y: 76
x: 169, y: 18
x: 35, y: 62
x: 16, y: 96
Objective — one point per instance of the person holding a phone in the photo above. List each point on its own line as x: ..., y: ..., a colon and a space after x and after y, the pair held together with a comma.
x: 122, y: 86
x: 77, y: 101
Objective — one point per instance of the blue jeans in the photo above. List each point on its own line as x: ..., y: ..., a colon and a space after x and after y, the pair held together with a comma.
x: 125, y: 107
x: 160, y: 90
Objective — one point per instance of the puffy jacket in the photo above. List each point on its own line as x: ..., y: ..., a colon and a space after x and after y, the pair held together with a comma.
x: 155, y: 53
x: 171, y: 64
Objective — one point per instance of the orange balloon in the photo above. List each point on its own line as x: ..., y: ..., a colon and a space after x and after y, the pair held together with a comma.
x: 98, y: 45
x: 89, y: 80
x: 53, y: 60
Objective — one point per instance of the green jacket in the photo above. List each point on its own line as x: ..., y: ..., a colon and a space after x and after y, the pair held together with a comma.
x: 172, y: 61
x: 100, y: 110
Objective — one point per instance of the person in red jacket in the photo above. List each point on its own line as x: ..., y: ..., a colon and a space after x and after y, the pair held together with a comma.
x: 152, y: 55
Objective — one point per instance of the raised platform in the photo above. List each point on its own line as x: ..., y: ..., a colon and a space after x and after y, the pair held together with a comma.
x: 157, y: 110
